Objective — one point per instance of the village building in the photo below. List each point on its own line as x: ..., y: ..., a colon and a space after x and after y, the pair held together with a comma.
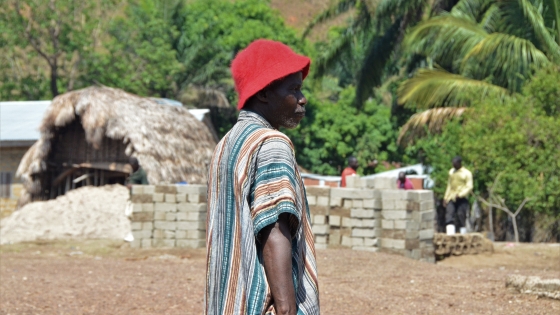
x: 86, y: 137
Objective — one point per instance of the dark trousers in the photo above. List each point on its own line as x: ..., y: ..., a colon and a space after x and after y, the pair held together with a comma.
x: 456, y: 212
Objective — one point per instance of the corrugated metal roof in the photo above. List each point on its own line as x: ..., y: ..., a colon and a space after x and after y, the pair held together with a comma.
x: 19, y: 121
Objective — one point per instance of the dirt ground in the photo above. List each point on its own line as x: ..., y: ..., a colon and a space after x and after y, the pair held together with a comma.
x: 106, y: 277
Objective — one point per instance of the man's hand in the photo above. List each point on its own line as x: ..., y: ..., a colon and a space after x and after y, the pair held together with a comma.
x: 277, y: 255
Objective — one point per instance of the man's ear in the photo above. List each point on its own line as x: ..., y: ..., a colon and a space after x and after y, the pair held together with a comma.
x: 262, y: 95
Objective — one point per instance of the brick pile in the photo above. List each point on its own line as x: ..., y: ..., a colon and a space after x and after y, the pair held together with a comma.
x: 169, y: 216
x: 318, y: 199
x: 407, y: 223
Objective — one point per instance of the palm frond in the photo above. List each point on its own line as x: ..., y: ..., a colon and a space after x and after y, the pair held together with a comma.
x: 435, y: 88
x: 505, y: 58
x: 329, y: 57
x: 472, y: 10
x: 378, y: 54
x: 551, y: 17
x: 397, y: 8
x: 536, y: 20
x: 491, y: 19
x: 444, y: 38
x: 333, y: 11
x: 431, y: 120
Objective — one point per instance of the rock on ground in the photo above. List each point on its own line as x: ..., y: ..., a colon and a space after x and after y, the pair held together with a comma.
x: 87, y: 212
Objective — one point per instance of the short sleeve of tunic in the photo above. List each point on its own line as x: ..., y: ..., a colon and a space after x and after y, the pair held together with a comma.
x: 276, y: 186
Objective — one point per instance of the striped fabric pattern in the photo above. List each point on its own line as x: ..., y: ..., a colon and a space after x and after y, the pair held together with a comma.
x: 253, y: 178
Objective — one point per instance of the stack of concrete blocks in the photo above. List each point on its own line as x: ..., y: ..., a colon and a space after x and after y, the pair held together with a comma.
x: 407, y: 223
x: 169, y: 216
x: 318, y: 199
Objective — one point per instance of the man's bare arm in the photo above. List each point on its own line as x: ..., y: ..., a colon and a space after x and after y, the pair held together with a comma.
x: 277, y: 254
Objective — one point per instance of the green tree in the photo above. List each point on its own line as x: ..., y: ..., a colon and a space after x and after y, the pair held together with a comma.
x: 481, y: 48
x: 331, y: 132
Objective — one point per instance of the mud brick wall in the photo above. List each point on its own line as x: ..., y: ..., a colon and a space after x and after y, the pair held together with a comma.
x: 168, y: 216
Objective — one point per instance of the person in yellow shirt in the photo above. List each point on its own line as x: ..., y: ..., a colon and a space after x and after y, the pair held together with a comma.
x: 459, y: 186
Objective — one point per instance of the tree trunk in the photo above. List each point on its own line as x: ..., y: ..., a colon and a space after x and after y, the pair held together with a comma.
x: 54, y: 78
x: 514, y: 222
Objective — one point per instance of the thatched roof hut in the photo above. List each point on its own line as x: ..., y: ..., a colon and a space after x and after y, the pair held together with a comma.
x: 94, y: 131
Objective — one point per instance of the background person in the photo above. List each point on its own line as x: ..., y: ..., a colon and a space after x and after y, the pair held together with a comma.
x: 349, y: 171
x: 138, y: 176
x: 403, y: 182
x: 459, y: 186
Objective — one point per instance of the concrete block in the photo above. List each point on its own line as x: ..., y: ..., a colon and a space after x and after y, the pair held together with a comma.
x: 166, y: 189
x: 191, y: 225
x: 426, y: 234
x: 346, y: 222
x: 428, y: 225
x: 427, y: 205
x: 142, y: 234
x: 373, y: 204
x: 135, y: 226
x: 370, y: 223
x: 147, y: 243
x: 196, y: 235
x: 181, y: 198
x: 357, y: 241
x: 191, y: 243
x: 321, y: 246
x: 165, y: 225
x: 334, y: 239
x: 346, y: 203
x: 312, y: 200
x: 137, y: 190
x: 412, y: 234
x: 401, y: 204
x: 191, y: 216
x: 319, y: 219
x: 168, y: 234
x: 324, y: 210
x: 148, y: 207
x: 142, y: 198
x: 384, y: 182
x: 170, y: 198
x: 160, y: 215
x: 359, y: 232
x: 346, y: 241
x: 163, y: 243
x: 334, y: 220
x: 192, y: 189
x: 149, y: 189
x: 181, y: 234
x: 136, y: 207
x: 395, y: 214
x: 157, y: 197
x: 353, y: 181
x: 427, y: 215
x: 421, y: 195
x: 415, y: 216
x: 412, y: 244
x: 192, y: 207
x: 394, y: 194
x: 142, y: 217
x: 365, y: 248
x: 387, y: 224
x: 197, y: 198
x: 413, y: 254
x: 147, y: 225
x: 323, y: 201
x: 166, y: 207
x: 388, y: 204
x: 412, y: 226
x: 136, y: 243
x: 335, y: 202
x: 318, y: 190
x: 157, y: 233
x: 370, y: 241
x: 357, y: 203
x: 362, y: 213
x: 170, y: 216
x: 321, y: 239
x: 320, y: 229
x: 399, y: 244
x: 352, y: 193
x: 399, y: 224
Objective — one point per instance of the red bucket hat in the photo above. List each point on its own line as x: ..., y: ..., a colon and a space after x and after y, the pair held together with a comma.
x: 263, y: 62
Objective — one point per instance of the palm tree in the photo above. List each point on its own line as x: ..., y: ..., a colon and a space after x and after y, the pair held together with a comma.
x: 373, y: 38
x: 481, y: 47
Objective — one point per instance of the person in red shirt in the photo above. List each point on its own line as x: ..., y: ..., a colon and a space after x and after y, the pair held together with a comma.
x: 403, y: 182
x: 349, y: 171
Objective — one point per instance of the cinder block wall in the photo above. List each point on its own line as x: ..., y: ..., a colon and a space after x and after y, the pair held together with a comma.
x: 168, y: 216
x: 369, y: 215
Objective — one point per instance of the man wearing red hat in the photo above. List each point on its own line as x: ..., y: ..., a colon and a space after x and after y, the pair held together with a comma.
x: 261, y: 255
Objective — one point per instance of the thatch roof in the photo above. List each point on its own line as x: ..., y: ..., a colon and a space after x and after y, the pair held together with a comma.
x: 169, y: 142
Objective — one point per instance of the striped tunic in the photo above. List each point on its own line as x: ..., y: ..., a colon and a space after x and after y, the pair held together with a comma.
x: 253, y: 178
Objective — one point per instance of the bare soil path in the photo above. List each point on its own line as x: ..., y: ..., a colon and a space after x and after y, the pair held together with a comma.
x: 103, y: 277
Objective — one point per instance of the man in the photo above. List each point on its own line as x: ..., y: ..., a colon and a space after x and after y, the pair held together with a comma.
x: 261, y: 255
x: 349, y: 171
x: 459, y: 186
x: 403, y: 182
x: 138, y: 176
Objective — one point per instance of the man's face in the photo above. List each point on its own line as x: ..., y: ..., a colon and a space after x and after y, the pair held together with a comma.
x: 286, y: 102
x: 353, y: 163
x: 457, y: 164
x: 402, y: 176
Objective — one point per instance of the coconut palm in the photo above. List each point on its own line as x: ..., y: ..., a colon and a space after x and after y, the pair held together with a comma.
x: 480, y: 47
